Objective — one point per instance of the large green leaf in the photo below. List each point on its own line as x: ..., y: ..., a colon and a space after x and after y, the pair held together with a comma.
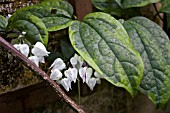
x: 32, y: 25
x: 3, y: 23
x: 165, y: 6
x: 114, y: 6
x: 102, y: 41
x: 56, y: 14
x: 137, y: 3
x: 108, y: 6
x: 154, y: 47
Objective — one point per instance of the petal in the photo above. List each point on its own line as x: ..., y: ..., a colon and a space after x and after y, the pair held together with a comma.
x: 89, y: 72
x: 39, y: 50
x: 34, y: 59
x: 81, y: 61
x: 17, y: 46
x: 98, y: 81
x: 74, y: 74
x: 96, y: 74
x: 82, y: 73
x: 56, y: 74
x: 62, y: 66
x: 24, y: 32
x: 58, y: 64
x: 24, y: 48
x: 71, y: 74
x: 74, y: 60
x: 91, y: 83
x: 41, y: 59
x: 67, y: 73
x: 66, y: 83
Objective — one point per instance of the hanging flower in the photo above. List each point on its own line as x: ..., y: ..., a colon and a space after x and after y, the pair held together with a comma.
x: 91, y: 83
x: 71, y: 74
x: 34, y: 59
x: 23, y: 48
x: 58, y: 64
x: 98, y: 76
x: 23, y: 32
x: 77, y: 61
x: 66, y: 83
x: 39, y: 50
x: 85, y: 73
x: 8, y: 16
x: 56, y: 74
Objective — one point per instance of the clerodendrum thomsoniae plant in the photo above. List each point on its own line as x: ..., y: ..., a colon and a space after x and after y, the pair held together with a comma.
x: 133, y: 54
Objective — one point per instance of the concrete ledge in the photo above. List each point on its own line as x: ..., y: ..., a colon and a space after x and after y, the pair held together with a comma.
x: 27, y: 99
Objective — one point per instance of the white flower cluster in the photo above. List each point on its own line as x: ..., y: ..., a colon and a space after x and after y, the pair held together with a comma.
x: 72, y: 72
x: 39, y: 52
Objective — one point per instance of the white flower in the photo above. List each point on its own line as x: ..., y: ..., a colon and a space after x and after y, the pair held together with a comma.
x: 85, y: 73
x: 98, y: 76
x: 17, y: 46
x: 37, y: 59
x: 24, y: 32
x: 91, y: 83
x: 34, y: 59
x: 23, y: 48
x: 8, y: 16
x: 58, y: 64
x: 41, y: 59
x: 66, y: 83
x: 39, y: 50
x: 56, y: 74
x: 71, y: 74
x: 77, y: 61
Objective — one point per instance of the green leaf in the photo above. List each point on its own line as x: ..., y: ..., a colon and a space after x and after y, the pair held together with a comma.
x: 32, y: 25
x: 3, y: 23
x: 66, y: 48
x: 165, y: 6
x: 137, y: 3
x: 108, y: 6
x: 56, y: 14
x: 102, y: 41
x: 168, y: 21
x: 114, y: 6
x: 154, y: 47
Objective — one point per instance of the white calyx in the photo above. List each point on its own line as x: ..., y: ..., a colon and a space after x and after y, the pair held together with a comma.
x: 66, y: 83
x: 39, y: 50
x: 71, y: 74
x: 77, y: 61
x: 56, y: 74
x: 23, y: 48
x: 58, y: 64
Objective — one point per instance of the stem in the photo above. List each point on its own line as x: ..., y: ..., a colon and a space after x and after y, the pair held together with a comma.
x: 35, y: 68
x: 157, y: 12
x: 79, y: 90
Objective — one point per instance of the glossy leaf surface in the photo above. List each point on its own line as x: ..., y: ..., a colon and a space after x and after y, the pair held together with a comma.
x: 154, y: 47
x: 137, y: 3
x: 56, y: 14
x: 32, y: 25
x: 108, y: 5
x: 102, y: 41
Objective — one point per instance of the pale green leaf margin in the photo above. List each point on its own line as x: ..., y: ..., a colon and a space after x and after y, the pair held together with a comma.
x: 91, y: 61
